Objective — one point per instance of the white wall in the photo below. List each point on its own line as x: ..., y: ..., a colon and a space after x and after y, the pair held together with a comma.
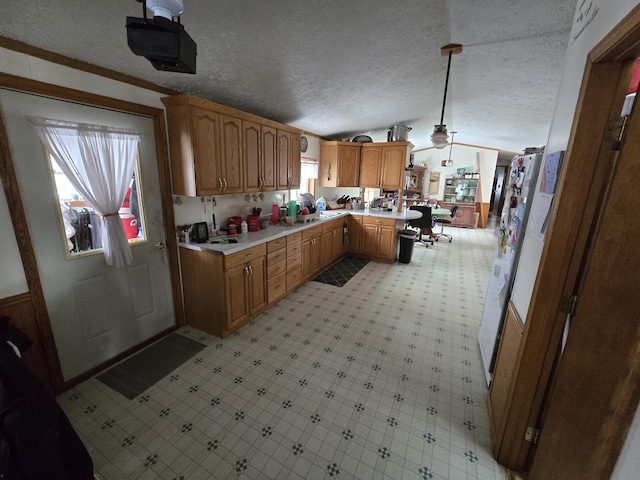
x: 477, y: 159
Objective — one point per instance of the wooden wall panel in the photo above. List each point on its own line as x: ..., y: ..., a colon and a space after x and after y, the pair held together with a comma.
x: 19, y: 308
x: 506, y: 364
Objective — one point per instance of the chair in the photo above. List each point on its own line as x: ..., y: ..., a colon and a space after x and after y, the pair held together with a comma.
x: 423, y: 224
x: 445, y: 221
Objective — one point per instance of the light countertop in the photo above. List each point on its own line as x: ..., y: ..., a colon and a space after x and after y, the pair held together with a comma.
x: 273, y: 232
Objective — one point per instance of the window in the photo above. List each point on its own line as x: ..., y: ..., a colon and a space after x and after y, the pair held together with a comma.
x: 308, y: 175
x: 80, y: 224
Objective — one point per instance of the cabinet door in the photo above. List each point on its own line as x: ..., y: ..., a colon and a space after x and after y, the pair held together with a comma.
x: 294, y: 161
x: 387, y: 243
x: 356, y: 234
x: 371, y: 158
x: 326, y: 252
x: 349, y: 166
x: 208, y: 170
x: 269, y: 158
x: 338, y: 245
x: 311, y: 248
x: 236, y: 296
x: 231, y: 153
x: 257, y: 284
x: 393, y: 163
x: 283, y: 152
x: 370, y: 240
x: 252, y: 153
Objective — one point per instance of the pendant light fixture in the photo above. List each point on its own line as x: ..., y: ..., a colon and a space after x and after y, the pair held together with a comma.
x: 450, y: 162
x: 439, y: 137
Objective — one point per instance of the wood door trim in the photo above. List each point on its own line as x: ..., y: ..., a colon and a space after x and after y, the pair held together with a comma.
x: 28, y: 257
x: 22, y: 47
x: 571, y: 210
x: 18, y: 218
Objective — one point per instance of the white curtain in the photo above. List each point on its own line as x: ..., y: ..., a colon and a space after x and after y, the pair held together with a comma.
x: 99, y: 162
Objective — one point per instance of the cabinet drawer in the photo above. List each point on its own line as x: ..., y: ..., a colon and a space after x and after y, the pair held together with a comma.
x: 294, y: 259
x: 276, y: 268
x: 313, y: 231
x: 246, y: 255
x: 277, y: 256
x: 330, y: 225
x: 294, y: 238
x: 276, y: 287
x: 387, y: 222
x: 275, y: 245
x: 294, y: 249
x: 294, y: 277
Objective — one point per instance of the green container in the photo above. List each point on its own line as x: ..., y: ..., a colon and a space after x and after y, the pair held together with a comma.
x: 293, y: 206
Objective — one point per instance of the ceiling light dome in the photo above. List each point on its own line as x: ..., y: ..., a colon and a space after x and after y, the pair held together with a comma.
x: 439, y: 137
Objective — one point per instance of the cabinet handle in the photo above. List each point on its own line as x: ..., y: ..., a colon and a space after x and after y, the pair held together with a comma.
x: 246, y: 271
x: 220, y: 183
x: 225, y: 183
x: 250, y: 270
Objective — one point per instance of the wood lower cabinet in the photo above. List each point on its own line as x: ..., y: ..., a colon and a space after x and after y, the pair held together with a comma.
x: 465, y: 216
x: 379, y: 239
x: 294, y: 261
x: 311, y: 251
x: 276, y: 269
x: 332, y: 242
x: 222, y: 293
x: 356, y: 234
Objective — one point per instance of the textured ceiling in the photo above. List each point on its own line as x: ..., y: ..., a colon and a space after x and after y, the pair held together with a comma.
x: 338, y: 69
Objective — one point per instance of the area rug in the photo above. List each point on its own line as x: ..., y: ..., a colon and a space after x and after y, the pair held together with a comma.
x: 342, y: 271
x: 139, y: 372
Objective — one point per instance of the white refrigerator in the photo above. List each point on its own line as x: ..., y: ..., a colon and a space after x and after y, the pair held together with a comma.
x: 513, y: 220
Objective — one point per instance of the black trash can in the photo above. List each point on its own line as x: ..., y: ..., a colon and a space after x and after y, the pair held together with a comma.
x: 407, y: 238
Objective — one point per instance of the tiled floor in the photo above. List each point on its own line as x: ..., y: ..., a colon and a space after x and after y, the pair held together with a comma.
x: 378, y: 379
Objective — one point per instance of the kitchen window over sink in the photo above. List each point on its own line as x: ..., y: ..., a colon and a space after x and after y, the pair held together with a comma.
x: 308, y: 176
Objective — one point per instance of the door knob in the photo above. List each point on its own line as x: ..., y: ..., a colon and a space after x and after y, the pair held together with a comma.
x: 159, y: 246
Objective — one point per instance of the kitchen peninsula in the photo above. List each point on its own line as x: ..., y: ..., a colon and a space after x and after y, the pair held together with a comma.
x: 226, y: 285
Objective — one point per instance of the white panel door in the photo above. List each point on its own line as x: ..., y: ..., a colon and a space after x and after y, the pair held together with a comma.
x: 96, y: 311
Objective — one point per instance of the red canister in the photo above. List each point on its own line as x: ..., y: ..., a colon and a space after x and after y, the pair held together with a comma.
x: 253, y: 222
x: 235, y: 221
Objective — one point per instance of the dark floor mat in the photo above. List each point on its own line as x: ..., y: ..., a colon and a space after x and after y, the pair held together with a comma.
x: 342, y: 271
x: 144, y: 369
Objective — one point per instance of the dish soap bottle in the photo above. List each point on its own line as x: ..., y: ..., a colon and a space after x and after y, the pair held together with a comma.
x: 320, y: 203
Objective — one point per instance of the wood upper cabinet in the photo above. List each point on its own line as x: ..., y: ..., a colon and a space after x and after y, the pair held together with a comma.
x: 206, y: 151
x: 288, y: 164
x: 216, y: 149
x: 370, y: 166
x: 394, y: 160
x: 383, y: 164
x: 259, y: 154
x: 339, y: 164
x: 231, y: 154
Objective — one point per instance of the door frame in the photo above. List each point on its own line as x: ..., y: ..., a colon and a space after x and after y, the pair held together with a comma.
x: 575, y: 207
x: 23, y: 237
